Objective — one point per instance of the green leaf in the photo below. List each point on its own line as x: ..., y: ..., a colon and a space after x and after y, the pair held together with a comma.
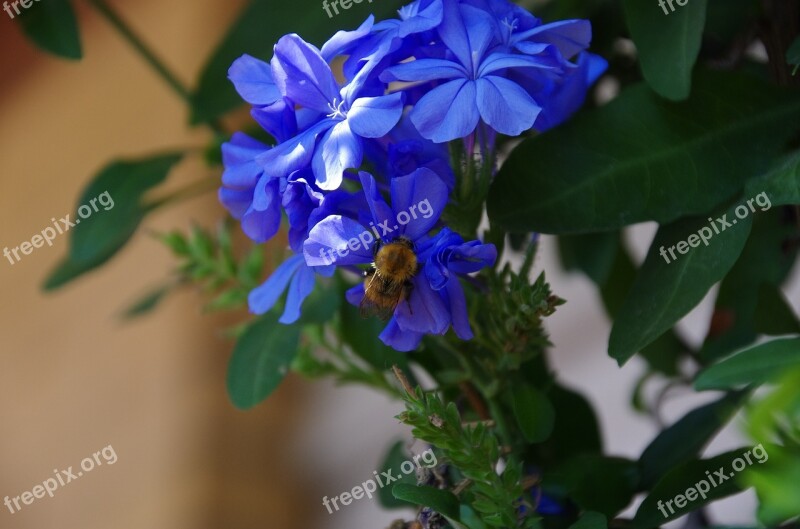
x: 668, y: 43
x: 108, y: 229
x: 781, y: 184
x: 260, y: 360
x: 593, y: 254
x: 598, y: 483
x: 685, y: 439
x: 575, y: 428
x: 774, y: 316
x: 396, y: 456
x: 52, y: 26
x: 441, y: 501
x: 255, y: 33
x: 147, y: 303
x: 793, y: 55
x: 765, y: 262
x: 754, y: 365
x: 665, y: 292
x: 534, y: 412
x: 643, y: 158
x: 590, y: 520
x: 679, y: 481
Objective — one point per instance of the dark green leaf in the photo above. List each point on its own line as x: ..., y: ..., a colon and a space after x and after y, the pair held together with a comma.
x: 396, y: 456
x: 590, y: 520
x: 765, y: 262
x: 679, y: 481
x: 593, y: 254
x: 685, y: 439
x: 793, y: 55
x: 534, y: 412
x: 598, y: 483
x: 52, y: 26
x: 665, y: 292
x: 754, y: 365
x: 781, y: 183
x: 441, y: 501
x: 255, y: 33
x: 668, y: 42
x: 147, y: 302
x: 108, y: 229
x: 643, y: 158
x: 260, y: 360
x: 774, y: 316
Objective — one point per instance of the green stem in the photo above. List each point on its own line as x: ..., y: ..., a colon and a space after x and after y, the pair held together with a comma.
x: 116, y: 21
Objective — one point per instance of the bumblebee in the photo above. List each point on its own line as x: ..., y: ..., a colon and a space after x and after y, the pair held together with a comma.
x: 388, y: 280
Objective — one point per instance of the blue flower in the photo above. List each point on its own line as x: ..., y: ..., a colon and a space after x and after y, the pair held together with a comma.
x: 337, y: 118
x: 476, y: 87
x: 436, y: 300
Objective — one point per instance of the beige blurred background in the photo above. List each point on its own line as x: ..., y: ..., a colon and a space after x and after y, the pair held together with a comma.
x: 74, y: 378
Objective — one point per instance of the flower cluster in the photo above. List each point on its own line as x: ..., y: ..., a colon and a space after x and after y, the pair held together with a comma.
x: 444, y: 70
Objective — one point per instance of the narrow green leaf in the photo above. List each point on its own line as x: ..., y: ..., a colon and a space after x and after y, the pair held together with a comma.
x: 668, y: 41
x: 685, y: 439
x: 147, y: 303
x: 52, y: 26
x: 441, y: 501
x: 754, y: 365
x: 661, y: 505
x: 260, y: 360
x: 396, y: 456
x: 114, y: 199
x: 664, y: 292
x: 534, y: 412
x: 643, y: 158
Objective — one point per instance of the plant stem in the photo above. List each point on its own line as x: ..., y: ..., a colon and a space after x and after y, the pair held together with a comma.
x: 116, y: 21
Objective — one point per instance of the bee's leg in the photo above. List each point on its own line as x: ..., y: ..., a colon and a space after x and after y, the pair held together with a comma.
x: 376, y: 247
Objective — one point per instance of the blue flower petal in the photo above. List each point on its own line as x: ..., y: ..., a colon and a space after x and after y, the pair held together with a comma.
x: 338, y: 240
x: 428, y: 16
x: 262, y: 298
x: 424, y: 70
x: 399, y: 339
x: 302, y: 285
x: 236, y: 201
x: 471, y: 257
x: 238, y: 156
x: 373, y: 117
x: 338, y: 150
x: 447, y: 112
x: 569, y: 36
x: 424, y: 311
x: 342, y: 40
x: 458, y: 309
x: 303, y: 75
x: 505, y: 106
x: 382, y: 214
x: 501, y: 61
x: 294, y: 154
x: 420, y: 198
x: 466, y: 31
x: 252, y: 78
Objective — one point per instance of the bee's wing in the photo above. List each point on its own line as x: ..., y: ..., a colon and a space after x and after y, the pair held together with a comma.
x: 368, y: 308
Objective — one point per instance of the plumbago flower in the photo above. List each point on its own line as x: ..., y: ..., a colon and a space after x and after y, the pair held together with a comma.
x: 476, y: 67
x: 435, y: 298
